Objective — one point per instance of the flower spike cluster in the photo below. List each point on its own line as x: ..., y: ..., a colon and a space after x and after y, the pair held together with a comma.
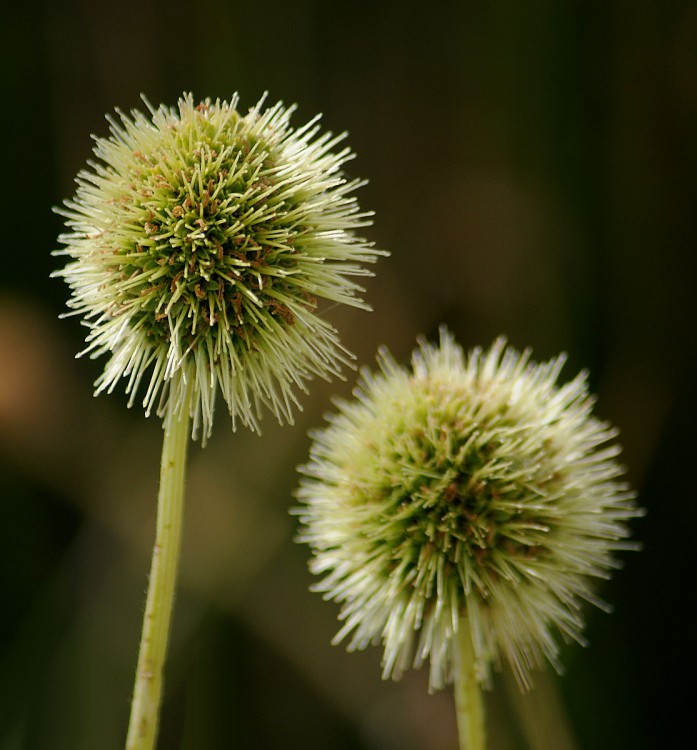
x: 203, y: 241
x: 470, y: 492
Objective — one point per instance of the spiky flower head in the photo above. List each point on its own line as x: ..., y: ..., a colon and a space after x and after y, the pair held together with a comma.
x: 469, y: 492
x: 203, y: 241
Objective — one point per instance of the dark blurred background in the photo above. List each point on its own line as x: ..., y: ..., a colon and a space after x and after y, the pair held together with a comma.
x: 533, y: 170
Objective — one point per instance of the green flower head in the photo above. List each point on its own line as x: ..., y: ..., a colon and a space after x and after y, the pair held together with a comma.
x: 203, y: 242
x: 469, y: 492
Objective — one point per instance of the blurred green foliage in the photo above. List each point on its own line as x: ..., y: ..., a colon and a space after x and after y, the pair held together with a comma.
x: 533, y: 170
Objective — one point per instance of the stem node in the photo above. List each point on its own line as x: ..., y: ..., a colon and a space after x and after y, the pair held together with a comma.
x: 147, y: 691
x: 468, y: 694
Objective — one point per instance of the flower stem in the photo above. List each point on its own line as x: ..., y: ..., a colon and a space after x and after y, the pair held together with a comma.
x: 468, y: 696
x: 147, y: 691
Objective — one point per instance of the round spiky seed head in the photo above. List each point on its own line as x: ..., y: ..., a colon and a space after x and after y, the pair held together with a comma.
x: 203, y: 242
x: 469, y: 492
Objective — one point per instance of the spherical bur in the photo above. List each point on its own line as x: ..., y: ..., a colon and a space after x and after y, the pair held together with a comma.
x: 204, y: 240
x: 472, y: 489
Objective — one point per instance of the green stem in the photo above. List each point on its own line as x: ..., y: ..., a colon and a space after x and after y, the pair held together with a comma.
x: 147, y: 691
x: 468, y: 695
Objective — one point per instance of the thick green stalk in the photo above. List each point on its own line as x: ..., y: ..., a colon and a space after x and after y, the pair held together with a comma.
x: 468, y: 694
x: 147, y: 692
